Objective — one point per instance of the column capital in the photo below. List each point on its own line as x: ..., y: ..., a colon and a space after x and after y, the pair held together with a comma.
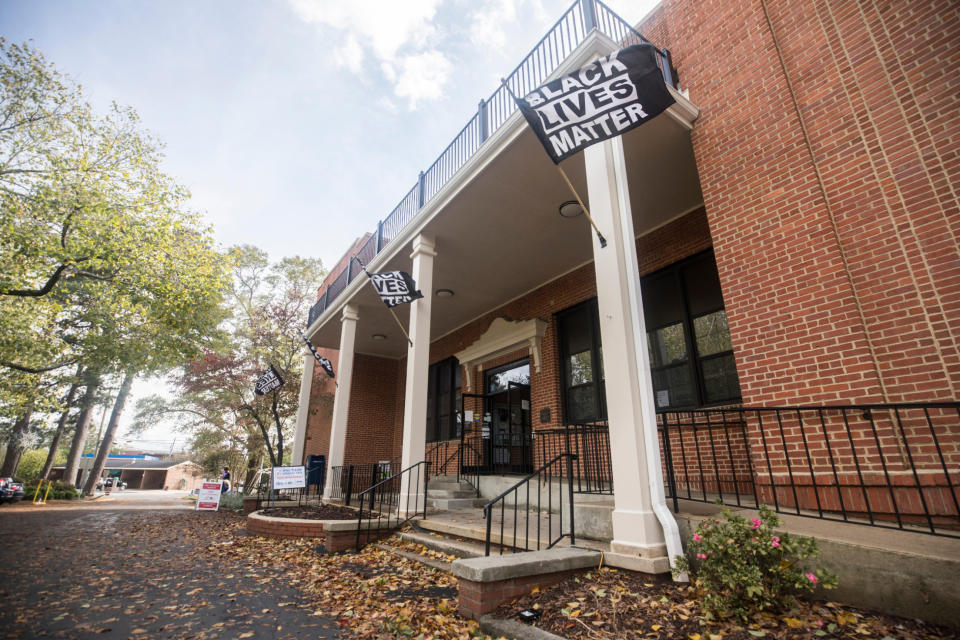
x: 350, y: 312
x: 423, y: 245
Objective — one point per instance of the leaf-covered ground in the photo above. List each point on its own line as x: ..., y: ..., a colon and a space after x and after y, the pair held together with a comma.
x: 615, y: 605
x: 104, y: 572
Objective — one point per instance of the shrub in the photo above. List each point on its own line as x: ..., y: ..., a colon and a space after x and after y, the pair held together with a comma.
x: 231, y: 501
x: 59, y: 491
x: 743, y: 566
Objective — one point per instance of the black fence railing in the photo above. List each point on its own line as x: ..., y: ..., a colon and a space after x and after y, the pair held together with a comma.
x: 544, y: 59
x: 590, y: 444
x: 347, y: 481
x: 392, y: 502
x: 535, y: 501
x: 886, y: 465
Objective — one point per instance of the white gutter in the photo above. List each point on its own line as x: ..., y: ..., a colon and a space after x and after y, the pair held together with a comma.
x: 671, y: 531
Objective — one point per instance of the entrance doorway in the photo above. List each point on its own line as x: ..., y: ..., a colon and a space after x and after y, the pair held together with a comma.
x: 499, y: 440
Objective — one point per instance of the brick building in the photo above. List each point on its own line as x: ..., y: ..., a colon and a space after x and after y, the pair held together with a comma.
x: 794, y: 228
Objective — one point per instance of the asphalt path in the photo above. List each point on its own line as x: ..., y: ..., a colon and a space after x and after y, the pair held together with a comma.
x: 135, y: 565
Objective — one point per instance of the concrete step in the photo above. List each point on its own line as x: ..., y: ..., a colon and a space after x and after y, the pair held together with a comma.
x: 451, y: 493
x: 449, y: 546
x: 446, y: 504
x: 449, y: 485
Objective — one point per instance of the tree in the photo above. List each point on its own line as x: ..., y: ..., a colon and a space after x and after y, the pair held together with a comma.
x: 215, y: 399
x: 101, y: 263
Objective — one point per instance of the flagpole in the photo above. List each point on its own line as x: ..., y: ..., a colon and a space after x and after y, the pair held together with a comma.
x: 603, y: 241
x: 390, y: 309
x: 399, y: 324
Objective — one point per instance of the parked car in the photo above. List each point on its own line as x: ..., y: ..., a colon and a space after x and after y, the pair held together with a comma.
x: 10, y: 491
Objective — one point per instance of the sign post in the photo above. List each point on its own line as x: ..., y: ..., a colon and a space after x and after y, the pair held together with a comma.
x: 289, y: 477
x: 209, y: 497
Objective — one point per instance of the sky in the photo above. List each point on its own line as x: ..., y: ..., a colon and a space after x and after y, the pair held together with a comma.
x: 296, y: 124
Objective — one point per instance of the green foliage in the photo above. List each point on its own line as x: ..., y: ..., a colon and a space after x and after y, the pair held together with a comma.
x: 231, y: 502
x: 59, y: 491
x: 744, y: 566
x: 101, y: 261
x: 31, y: 463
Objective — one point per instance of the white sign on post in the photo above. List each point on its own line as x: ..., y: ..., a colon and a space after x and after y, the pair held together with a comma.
x: 209, y: 497
x: 289, y: 477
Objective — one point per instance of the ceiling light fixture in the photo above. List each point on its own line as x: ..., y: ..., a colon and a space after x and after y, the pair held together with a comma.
x: 378, y: 336
x: 570, y: 209
x: 444, y: 293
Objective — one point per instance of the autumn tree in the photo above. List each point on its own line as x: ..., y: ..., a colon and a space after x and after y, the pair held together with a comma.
x: 215, y: 400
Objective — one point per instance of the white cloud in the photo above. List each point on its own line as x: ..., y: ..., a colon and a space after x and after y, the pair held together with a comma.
x: 487, y: 23
x: 396, y: 34
x: 422, y: 76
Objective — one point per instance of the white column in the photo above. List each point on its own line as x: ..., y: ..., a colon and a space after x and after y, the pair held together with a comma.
x: 341, y: 399
x: 303, y: 409
x: 418, y: 364
x: 638, y: 522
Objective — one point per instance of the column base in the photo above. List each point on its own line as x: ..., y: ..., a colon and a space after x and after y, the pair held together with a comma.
x: 637, y: 533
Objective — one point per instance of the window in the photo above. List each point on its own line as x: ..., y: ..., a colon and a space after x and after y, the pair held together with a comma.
x: 688, y: 341
x: 691, y: 355
x: 443, y: 400
x: 499, y: 379
x: 583, y: 388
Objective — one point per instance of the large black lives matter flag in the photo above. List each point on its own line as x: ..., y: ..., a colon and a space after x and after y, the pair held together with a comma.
x: 604, y: 99
x: 395, y: 287
x: 325, y: 364
x: 267, y: 382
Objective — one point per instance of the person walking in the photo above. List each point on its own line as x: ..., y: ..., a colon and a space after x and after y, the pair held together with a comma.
x: 225, y: 480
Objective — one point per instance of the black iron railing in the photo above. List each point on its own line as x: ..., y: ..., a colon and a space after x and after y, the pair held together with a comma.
x: 349, y: 480
x: 544, y: 59
x: 392, y: 502
x: 590, y: 443
x: 886, y: 465
x: 536, y: 510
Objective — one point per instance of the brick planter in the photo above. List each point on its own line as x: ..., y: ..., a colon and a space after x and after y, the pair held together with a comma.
x: 486, y: 583
x: 335, y: 535
x: 249, y: 505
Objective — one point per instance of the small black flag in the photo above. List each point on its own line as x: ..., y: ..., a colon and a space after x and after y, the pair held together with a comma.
x: 269, y: 381
x: 325, y: 364
x: 395, y: 287
x: 602, y: 100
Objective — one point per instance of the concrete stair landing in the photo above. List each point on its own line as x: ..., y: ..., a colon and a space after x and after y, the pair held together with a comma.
x: 445, y: 493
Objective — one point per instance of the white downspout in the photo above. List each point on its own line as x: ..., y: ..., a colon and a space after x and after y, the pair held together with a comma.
x: 671, y: 531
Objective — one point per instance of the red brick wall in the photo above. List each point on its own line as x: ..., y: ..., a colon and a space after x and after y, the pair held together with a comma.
x: 320, y: 415
x: 876, y: 85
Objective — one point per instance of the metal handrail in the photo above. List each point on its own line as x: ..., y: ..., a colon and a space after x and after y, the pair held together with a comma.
x: 545, y: 476
x: 883, y: 465
x: 544, y: 59
x: 388, y: 491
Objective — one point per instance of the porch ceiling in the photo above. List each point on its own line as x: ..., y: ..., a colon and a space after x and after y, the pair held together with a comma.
x: 501, y: 235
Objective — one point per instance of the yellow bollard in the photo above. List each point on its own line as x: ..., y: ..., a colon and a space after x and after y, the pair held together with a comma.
x: 36, y: 492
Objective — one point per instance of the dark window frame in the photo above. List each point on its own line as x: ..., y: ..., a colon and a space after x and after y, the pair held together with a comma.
x: 694, y: 360
x: 596, y: 363
x: 440, y: 430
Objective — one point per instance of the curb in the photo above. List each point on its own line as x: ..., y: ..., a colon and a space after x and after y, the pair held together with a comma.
x: 511, y: 629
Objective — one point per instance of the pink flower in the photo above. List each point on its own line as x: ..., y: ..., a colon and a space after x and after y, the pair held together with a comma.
x: 697, y: 537
x: 753, y: 540
x: 756, y: 523
x: 819, y: 623
x: 702, y: 556
x: 812, y: 578
x: 775, y: 542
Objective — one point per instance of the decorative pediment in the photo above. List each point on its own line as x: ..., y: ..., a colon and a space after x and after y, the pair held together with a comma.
x: 502, y: 337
